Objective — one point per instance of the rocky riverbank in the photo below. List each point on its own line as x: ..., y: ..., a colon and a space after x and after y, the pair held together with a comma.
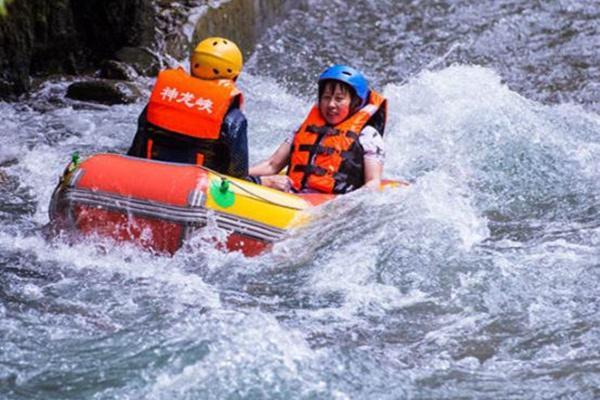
x: 111, y: 42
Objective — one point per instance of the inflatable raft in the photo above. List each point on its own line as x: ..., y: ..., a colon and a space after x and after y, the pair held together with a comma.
x: 159, y: 205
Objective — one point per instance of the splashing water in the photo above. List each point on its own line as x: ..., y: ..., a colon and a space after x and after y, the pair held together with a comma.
x: 477, y: 281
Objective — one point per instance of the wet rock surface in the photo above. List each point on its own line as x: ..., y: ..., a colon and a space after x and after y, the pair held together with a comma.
x: 243, y: 21
x: 44, y: 37
x: 112, y: 69
x: 104, y: 91
x: 41, y: 37
x: 144, y: 61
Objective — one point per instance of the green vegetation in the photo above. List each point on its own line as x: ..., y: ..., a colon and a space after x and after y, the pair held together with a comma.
x: 3, y: 11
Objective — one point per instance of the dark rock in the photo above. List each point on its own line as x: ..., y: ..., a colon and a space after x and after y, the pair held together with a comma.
x: 56, y: 47
x: 41, y: 37
x: 143, y: 60
x: 104, y: 91
x: 16, y: 45
x: 7, y: 88
x: 108, y: 25
x: 37, y: 37
x: 112, y: 69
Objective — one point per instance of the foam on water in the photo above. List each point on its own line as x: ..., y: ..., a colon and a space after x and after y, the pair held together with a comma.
x: 516, y: 157
x: 479, y: 277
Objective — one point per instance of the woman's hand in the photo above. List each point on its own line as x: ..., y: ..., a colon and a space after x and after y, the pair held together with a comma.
x: 279, y: 182
x: 374, y: 184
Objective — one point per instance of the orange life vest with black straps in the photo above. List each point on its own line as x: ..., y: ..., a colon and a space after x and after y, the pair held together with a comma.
x: 191, y: 107
x: 330, y: 158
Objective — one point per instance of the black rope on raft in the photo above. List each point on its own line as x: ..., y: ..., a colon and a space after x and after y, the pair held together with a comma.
x: 248, y: 191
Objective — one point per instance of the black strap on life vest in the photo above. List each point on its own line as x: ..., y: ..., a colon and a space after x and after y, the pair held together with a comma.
x: 310, y: 169
x: 329, y: 131
x: 319, y: 171
x: 316, y: 149
x: 324, y: 130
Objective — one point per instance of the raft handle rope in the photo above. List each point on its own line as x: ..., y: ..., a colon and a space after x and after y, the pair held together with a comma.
x: 247, y: 191
x: 223, y: 187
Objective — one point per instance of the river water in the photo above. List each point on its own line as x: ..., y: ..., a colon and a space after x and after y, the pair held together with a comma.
x: 478, y: 281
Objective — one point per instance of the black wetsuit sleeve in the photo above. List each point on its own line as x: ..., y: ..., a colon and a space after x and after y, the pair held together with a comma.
x: 138, y: 146
x: 234, y: 133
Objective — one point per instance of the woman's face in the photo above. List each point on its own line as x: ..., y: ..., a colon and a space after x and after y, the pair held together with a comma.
x: 334, y: 103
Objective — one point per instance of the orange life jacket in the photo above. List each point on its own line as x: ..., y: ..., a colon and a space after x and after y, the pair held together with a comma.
x: 189, y: 106
x: 330, y: 159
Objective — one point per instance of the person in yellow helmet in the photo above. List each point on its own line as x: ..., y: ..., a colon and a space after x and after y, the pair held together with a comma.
x: 196, y: 118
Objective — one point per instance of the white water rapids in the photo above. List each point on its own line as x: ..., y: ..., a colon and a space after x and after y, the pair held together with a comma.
x: 477, y: 281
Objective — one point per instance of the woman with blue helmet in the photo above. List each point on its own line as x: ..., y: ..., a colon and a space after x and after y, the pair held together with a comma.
x: 339, y: 146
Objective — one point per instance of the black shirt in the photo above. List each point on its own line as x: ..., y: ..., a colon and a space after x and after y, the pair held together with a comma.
x: 227, y: 155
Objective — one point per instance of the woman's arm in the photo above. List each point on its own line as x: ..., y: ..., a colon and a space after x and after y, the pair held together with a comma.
x: 373, y: 172
x: 275, y: 163
x: 374, y: 156
x: 267, y: 170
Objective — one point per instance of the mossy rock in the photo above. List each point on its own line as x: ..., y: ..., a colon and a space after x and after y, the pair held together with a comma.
x: 141, y: 59
x: 112, y: 69
x: 104, y: 91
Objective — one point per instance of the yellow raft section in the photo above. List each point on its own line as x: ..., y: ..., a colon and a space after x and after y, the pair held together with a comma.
x: 257, y: 203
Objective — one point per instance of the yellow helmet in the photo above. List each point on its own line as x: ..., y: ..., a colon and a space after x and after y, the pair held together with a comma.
x: 216, y: 58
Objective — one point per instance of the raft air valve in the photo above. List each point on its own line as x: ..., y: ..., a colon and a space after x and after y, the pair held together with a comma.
x: 74, y: 162
x: 221, y: 193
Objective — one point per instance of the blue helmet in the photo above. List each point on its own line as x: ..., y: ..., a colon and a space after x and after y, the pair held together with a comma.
x: 350, y: 76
